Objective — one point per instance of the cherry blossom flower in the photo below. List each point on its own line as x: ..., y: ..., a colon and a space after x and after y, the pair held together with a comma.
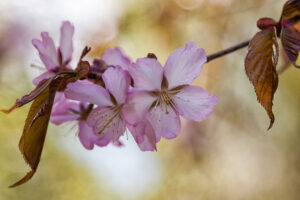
x: 161, y: 95
x: 70, y: 111
x: 106, y: 120
x: 62, y: 113
x: 65, y: 111
x: 143, y: 132
x: 55, y: 60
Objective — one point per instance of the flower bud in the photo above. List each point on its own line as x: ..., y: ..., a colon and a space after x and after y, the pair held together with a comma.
x: 266, y: 23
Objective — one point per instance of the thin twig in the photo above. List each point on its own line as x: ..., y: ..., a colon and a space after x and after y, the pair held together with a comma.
x: 227, y: 51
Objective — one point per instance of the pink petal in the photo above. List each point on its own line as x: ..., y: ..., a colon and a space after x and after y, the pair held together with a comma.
x: 86, y: 91
x: 184, y: 65
x: 102, y: 142
x: 107, y: 123
x: 86, y: 135
x: 62, y: 112
x: 45, y: 75
x: 147, y: 74
x: 194, y: 103
x: 58, y: 119
x: 47, y: 50
x: 144, y: 135
x: 59, y: 97
x: 165, y: 122
x: 117, y: 82
x: 137, y: 105
x: 116, y: 57
x: 66, y: 43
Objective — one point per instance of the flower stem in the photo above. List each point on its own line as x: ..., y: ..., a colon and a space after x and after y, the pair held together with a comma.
x: 227, y: 51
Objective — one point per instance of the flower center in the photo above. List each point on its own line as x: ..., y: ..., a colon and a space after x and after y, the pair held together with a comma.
x: 108, y: 118
x: 164, y: 100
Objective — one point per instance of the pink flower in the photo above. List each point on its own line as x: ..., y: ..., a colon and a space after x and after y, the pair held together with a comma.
x: 65, y: 111
x: 54, y: 59
x: 106, y: 120
x: 143, y: 132
x: 161, y: 95
x: 70, y: 111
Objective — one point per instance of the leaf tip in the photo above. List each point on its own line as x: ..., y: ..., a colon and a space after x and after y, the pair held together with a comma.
x: 271, y: 124
x: 23, y: 180
x: 272, y: 120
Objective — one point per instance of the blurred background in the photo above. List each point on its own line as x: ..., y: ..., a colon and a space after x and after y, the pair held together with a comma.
x: 229, y: 156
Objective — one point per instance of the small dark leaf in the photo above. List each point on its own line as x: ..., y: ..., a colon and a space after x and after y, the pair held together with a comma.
x: 290, y: 36
x: 290, y: 39
x: 84, y: 52
x: 260, y: 66
x: 291, y: 10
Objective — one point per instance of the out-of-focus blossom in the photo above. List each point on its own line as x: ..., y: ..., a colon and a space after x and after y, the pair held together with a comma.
x: 106, y: 120
x: 12, y: 40
x: 55, y: 60
x: 160, y: 94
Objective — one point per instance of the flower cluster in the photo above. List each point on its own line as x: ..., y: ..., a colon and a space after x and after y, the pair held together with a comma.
x: 143, y: 96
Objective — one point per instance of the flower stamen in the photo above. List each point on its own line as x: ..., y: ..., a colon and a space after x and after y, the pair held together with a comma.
x: 116, y: 111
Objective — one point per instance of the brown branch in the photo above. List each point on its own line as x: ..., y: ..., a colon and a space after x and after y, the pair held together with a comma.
x: 227, y: 51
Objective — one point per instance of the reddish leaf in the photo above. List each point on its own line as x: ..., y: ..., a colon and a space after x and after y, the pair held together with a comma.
x: 260, y: 66
x: 34, y: 132
x: 35, y: 129
x: 291, y: 9
x: 290, y: 36
x: 290, y: 39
